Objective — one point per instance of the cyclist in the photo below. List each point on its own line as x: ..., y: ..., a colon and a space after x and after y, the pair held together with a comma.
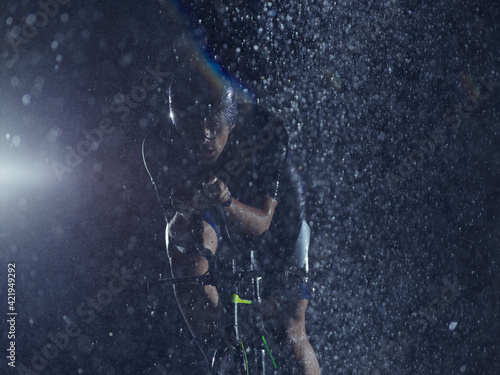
x: 217, y: 150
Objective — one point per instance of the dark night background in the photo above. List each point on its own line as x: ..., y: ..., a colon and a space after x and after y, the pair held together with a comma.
x: 359, y: 86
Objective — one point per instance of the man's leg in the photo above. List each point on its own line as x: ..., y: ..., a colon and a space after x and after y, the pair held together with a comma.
x: 296, y: 335
x: 287, y: 324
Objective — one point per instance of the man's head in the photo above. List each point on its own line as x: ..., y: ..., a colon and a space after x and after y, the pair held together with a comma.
x: 203, y: 110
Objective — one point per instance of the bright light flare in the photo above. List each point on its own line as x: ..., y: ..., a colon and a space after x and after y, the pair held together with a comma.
x: 19, y: 174
x: 18, y: 169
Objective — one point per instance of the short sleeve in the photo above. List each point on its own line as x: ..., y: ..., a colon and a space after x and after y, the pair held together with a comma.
x: 274, y: 150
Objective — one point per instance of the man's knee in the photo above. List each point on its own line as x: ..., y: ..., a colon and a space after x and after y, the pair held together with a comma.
x: 190, y: 237
x: 285, y: 318
x: 187, y: 265
x: 186, y: 260
x: 296, y: 325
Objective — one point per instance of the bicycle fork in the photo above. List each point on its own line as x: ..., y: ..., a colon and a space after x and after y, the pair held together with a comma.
x: 262, y: 360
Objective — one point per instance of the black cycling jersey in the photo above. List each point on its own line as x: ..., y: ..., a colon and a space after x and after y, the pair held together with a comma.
x: 254, y: 162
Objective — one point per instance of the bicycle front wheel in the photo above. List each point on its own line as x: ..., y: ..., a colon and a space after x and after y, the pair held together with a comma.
x: 231, y: 361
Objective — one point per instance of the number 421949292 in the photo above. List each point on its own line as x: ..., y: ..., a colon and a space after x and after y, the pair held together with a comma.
x: 11, y: 286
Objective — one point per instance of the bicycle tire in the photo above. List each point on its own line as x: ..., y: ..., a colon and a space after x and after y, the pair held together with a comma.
x: 230, y: 361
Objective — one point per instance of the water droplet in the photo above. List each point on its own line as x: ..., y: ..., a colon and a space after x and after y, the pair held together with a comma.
x: 16, y: 141
x: 85, y: 34
x: 14, y: 81
x: 30, y: 18
x: 26, y: 99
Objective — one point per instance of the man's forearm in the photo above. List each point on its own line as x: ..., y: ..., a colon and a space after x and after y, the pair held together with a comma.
x: 249, y: 220
x: 246, y: 219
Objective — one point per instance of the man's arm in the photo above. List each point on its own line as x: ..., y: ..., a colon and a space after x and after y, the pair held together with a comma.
x: 249, y: 220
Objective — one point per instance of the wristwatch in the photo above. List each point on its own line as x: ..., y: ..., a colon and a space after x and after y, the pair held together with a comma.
x: 228, y: 202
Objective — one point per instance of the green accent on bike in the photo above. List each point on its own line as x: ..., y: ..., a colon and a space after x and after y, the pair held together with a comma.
x: 267, y: 347
x: 236, y: 299
x: 245, y: 354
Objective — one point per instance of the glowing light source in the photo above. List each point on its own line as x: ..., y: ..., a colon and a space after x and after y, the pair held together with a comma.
x: 18, y: 174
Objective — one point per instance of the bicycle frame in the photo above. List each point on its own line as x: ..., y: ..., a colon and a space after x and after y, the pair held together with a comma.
x: 241, y: 325
x: 240, y: 291
x: 242, y: 304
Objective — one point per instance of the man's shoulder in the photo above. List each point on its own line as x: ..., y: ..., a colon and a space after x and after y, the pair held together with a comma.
x: 256, y: 122
x: 261, y: 141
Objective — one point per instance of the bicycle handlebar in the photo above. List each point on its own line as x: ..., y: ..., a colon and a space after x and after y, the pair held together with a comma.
x: 207, y: 279
x: 213, y: 276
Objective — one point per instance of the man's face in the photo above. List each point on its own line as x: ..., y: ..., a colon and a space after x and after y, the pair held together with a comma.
x: 206, y: 137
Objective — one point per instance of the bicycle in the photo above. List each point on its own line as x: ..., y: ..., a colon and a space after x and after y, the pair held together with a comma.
x: 246, y: 347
